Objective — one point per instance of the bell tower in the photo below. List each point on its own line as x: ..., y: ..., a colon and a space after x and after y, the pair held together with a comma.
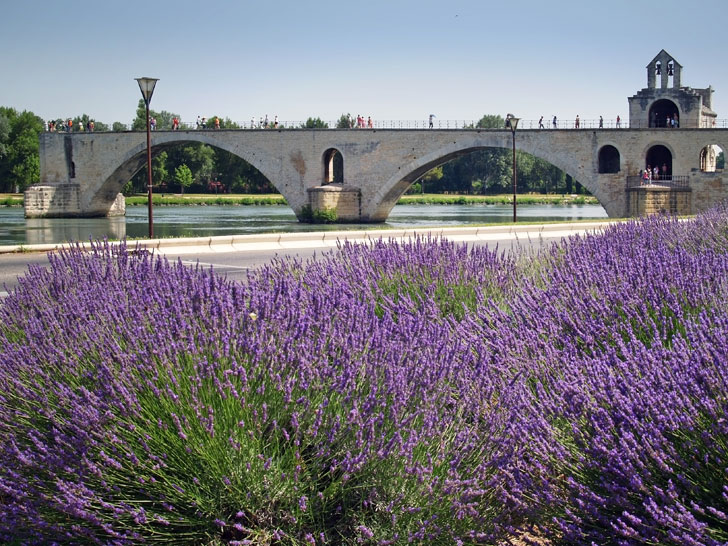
x: 669, y: 105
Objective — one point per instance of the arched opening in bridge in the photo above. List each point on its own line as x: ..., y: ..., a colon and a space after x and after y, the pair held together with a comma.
x: 664, y: 113
x: 609, y: 160
x: 194, y: 167
x: 333, y: 167
x: 712, y: 159
x: 488, y: 171
x: 659, y: 156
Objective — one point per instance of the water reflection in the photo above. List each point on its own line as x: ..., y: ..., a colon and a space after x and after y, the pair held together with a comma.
x: 206, y: 221
x: 55, y: 230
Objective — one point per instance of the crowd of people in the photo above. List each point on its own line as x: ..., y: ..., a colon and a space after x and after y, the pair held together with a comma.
x: 651, y: 174
x: 361, y: 123
x: 66, y: 126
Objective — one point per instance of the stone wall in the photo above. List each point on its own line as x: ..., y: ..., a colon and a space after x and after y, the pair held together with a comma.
x: 647, y: 200
x: 379, y: 165
x: 56, y: 201
x: 346, y: 200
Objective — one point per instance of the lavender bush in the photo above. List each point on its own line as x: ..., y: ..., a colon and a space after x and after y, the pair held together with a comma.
x: 395, y: 393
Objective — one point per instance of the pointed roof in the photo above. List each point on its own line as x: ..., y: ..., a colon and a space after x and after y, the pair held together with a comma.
x: 663, y: 57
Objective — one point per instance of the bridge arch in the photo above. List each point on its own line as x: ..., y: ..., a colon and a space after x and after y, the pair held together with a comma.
x: 709, y: 158
x: 661, y: 110
x: 333, y: 166
x: 659, y: 155
x: 134, y: 158
x: 609, y: 160
x: 397, y: 185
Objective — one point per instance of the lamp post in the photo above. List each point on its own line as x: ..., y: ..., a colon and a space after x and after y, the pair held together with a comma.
x: 512, y: 122
x: 146, y: 86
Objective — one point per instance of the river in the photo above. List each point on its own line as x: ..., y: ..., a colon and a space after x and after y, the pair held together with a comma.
x: 205, y: 221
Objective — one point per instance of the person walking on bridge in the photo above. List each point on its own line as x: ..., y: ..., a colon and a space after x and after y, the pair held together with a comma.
x: 576, y: 122
x: 540, y: 123
x: 554, y: 122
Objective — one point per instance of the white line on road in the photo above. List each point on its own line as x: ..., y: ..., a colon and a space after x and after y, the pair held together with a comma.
x: 216, y: 266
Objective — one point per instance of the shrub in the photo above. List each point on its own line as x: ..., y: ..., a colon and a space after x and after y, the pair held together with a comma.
x: 390, y: 393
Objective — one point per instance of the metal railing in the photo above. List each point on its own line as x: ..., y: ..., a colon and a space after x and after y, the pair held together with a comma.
x: 461, y: 124
x: 666, y: 180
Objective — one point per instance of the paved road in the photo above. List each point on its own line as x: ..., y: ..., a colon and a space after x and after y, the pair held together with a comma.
x: 235, y: 256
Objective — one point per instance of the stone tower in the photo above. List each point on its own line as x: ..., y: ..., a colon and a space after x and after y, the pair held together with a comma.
x: 669, y: 104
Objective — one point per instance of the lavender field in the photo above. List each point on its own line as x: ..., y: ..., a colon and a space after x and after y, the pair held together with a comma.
x: 418, y: 393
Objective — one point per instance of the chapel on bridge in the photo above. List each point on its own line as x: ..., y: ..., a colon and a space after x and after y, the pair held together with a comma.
x: 670, y: 104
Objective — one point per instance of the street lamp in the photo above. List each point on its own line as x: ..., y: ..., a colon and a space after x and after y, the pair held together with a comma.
x: 146, y: 86
x: 512, y: 122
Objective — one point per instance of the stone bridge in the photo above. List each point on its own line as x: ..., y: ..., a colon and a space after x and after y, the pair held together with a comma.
x: 82, y: 174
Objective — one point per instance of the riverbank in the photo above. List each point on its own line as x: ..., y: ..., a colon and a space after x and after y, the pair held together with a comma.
x: 421, y: 199
x: 171, y: 199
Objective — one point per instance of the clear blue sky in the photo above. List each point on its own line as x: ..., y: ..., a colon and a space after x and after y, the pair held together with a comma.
x: 389, y: 59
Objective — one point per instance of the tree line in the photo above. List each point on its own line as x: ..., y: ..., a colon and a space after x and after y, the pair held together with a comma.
x: 202, y: 168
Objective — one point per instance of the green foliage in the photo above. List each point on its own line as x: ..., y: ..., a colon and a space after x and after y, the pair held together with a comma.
x: 118, y: 126
x: 4, y: 135
x: 314, y: 123
x: 322, y: 216
x: 183, y: 177
x: 232, y: 200
x: 128, y: 189
x: 490, y: 121
x: 325, y: 216
x: 345, y: 122
x: 159, y: 167
x: 19, y: 145
x: 720, y: 161
x: 85, y: 121
x: 164, y: 118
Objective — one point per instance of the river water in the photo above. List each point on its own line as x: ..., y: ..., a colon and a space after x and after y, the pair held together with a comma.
x: 205, y: 221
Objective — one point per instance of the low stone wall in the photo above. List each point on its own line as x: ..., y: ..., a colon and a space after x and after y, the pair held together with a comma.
x: 346, y: 200
x: 657, y: 199
x: 57, y: 201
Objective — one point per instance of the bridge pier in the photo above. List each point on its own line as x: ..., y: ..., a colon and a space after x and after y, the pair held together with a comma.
x: 64, y: 201
x: 344, y: 200
x: 657, y: 199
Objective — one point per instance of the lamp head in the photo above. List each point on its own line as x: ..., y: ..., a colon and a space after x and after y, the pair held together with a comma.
x: 146, y: 86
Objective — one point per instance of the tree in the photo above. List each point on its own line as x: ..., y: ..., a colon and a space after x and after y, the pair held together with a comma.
x: 4, y: 135
x: 490, y: 121
x: 159, y: 168
x: 345, y: 122
x: 164, y: 118
x: 314, y: 123
x: 19, y: 162
x: 183, y: 177
x: 720, y: 160
x: 118, y: 127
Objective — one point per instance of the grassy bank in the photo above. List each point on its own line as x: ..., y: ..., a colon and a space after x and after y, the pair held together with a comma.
x: 16, y: 199
x: 424, y: 199
x: 503, y: 199
x: 11, y: 199
x: 208, y: 199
